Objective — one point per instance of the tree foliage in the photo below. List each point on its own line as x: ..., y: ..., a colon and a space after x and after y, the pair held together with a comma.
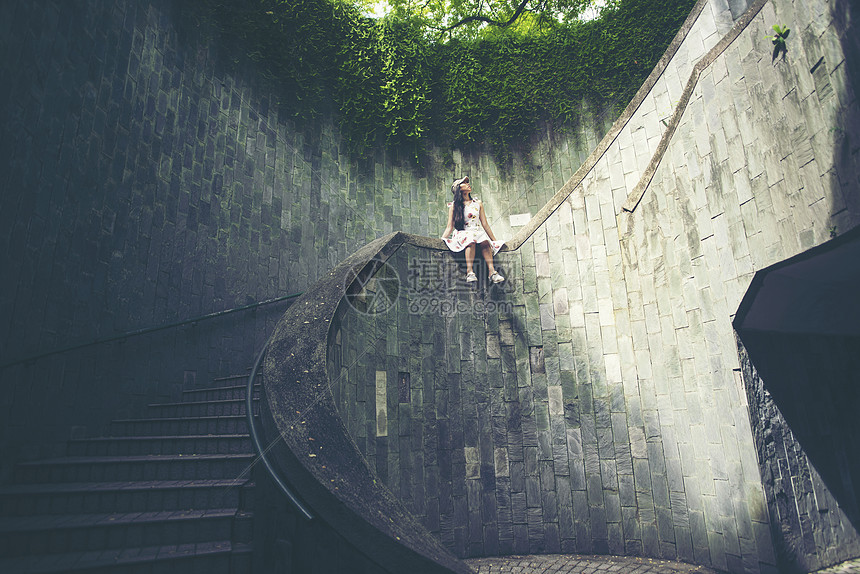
x: 445, y: 19
x: 394, y: 81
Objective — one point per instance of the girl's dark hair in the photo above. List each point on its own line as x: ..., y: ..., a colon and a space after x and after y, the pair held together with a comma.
x: 459, y: 218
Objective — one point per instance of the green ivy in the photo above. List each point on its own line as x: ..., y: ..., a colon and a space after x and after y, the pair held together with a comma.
x: 382, y: 90
x: 388, y: 84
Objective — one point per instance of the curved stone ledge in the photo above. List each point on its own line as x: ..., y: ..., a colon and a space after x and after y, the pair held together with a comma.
x: 576, y: 179
x: 638, y: 191
x: 317, y: 455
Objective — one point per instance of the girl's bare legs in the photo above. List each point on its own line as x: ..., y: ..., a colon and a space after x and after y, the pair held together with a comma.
x: 470, y: 257
x: 487, y: 252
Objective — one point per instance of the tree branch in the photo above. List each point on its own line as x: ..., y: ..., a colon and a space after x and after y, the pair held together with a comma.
x: 520, y: 9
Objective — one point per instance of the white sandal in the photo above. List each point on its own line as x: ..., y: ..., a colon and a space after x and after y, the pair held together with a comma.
x: 471, y: 277
x: 496, y: 277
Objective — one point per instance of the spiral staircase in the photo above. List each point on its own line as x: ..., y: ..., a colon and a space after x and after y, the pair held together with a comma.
x: 172, y: 492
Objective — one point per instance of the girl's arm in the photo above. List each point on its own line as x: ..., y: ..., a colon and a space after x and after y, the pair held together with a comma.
x: 484, y: 223
x: 450, y: 225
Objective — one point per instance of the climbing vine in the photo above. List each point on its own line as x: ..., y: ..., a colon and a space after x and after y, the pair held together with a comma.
x: 388, y: 83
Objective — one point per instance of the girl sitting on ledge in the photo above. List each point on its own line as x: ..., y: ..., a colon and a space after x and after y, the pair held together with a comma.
x: 467, y: 219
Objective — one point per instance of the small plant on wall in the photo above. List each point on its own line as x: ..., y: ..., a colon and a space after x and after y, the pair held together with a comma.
x: 778, y: 40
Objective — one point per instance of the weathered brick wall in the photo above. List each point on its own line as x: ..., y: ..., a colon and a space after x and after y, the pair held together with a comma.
x: 802, y: 392
x: 606, y: 411
x: 147, y: 185
x: 759, y: 170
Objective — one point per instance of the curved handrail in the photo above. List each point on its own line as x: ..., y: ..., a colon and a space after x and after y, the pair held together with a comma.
x: 258, y: 446
x: 635, y: 196
x: 145, y: 331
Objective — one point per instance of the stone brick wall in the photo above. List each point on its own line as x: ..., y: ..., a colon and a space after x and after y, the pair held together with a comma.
x: 145, y: 185
x: 606, y: 411
x: 802, y: 393
x: 758, y: 171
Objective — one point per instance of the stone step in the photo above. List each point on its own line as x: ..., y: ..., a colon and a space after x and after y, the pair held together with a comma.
x: 233, y: 407
x: 219, y: 393
x: 124, y: 497
x: 57, y: 534
x: 173, y: 426
x: 141, y: 445
x: 214, y: 557
x: 134, y: 468
x: 232, y: 379
x: 169, y: 493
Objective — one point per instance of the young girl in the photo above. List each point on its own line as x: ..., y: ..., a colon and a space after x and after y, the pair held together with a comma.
x: 466, y: 217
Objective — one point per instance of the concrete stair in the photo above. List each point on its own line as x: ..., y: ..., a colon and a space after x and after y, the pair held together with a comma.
x: 171, y: 492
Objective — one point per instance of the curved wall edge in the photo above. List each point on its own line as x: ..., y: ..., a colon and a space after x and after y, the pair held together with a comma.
x: 320, y: 459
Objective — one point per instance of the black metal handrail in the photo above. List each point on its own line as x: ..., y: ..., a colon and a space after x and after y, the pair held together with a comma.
x: 146, y: 330
x: 258, y: 445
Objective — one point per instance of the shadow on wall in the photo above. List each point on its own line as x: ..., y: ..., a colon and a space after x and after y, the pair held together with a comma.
x: 481, y: 410
x: 807, y: 436
x: 846, y: 130
x: 801, y: 363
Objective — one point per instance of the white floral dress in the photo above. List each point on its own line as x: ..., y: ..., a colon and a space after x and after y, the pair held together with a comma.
x: 473, y: 233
